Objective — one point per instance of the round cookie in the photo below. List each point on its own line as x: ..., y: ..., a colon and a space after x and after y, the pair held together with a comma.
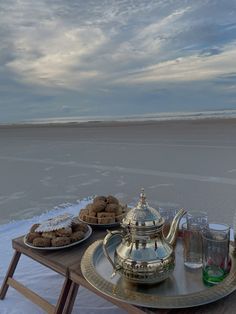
x: 112, y: 200
x: 64, y: 232
x: 49, y: 234
x: 31, y: 236
x: 100, y: 198
x: 119, y: 211
x: 76, y: 236
x: 89, y: 207
x: 99, y: 206
x: 92, y: 212
x: 60, y: 241
x: 80, y: 227
x: 82, y: 215
x: 35, y: 226
x: 75, y: 221
x: 112, y: 208
x: 42, y: 242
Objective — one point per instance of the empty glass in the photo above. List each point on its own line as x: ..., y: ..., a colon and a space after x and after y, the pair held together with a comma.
x: 168, y: 213
x: 196, y: 219
x: 192, y: 243
x: 192, y: 238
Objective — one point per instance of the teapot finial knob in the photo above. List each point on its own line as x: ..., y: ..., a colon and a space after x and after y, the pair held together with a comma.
x: 142, y: 197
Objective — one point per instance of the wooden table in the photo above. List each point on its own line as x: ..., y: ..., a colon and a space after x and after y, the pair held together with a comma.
x: 63, y: 262
x: 59, y: 261
x: 67, y: 263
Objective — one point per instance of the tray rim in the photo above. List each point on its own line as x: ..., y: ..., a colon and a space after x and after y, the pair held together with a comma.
x: 208, y: 295
x: 52, y: 248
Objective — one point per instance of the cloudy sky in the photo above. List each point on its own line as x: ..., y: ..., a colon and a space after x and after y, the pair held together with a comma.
x: 66, y: 58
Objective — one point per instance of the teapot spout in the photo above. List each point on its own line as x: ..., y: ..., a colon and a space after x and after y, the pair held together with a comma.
x: 173, y: 233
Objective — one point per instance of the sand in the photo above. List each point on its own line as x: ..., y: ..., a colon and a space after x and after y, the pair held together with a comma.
x: 189, y: 164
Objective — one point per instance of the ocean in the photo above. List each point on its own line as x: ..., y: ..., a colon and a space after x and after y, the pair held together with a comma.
x: 163, y: 116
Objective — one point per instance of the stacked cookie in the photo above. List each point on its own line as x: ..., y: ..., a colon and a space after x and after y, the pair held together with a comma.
x: 103, y: 210
x: 56, y: 238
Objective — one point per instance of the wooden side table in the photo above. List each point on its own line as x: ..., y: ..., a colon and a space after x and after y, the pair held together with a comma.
x: 67, y: 263
x: 57, y: 260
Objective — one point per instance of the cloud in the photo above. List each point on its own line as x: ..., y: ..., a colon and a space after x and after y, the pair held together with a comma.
x: 58, y: 60
x: 190, y: 68
x: 44, y: 47
x: 148, y: 41
x: 80, y: 54
x: 49, y: 49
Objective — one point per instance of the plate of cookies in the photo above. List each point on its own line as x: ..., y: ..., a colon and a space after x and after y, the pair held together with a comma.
x: 104, y: 211
x: 55, y: 234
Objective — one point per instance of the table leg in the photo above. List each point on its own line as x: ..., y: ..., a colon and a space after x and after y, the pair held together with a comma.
x: 63, y: 296
x: 71, y: 298
x: 10, y: 272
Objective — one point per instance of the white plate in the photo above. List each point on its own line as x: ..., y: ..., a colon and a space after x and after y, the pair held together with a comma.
x: 50, y: 248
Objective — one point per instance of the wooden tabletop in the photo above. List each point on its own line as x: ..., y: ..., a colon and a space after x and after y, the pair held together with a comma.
x: 67, y: 263
x: 58, y: 260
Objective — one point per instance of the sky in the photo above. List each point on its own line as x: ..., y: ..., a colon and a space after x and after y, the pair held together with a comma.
x: 77, y: 58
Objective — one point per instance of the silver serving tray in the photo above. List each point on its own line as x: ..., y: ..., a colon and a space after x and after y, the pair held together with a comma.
x: 183, y: 289
x: 52, y: 248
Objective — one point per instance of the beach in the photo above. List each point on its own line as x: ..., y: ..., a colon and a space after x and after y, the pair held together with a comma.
x: 48, y: 170
x: 188, y: 164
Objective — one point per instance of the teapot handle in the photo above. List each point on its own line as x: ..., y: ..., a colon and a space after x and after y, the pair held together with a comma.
x: 111, y: 234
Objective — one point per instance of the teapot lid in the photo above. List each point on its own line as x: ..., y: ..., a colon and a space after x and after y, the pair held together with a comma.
x: 142, y: 215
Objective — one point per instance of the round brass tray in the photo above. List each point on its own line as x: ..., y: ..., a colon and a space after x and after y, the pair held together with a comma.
x: 181, y: 290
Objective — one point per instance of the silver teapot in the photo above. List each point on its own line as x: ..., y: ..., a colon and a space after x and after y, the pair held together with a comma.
x: 144, y: 255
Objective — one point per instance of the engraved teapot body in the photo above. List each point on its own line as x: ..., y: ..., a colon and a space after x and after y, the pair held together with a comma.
x: 144, y: 254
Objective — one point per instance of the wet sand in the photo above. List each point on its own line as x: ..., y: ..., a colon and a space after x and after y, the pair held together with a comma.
x: 179, y: 163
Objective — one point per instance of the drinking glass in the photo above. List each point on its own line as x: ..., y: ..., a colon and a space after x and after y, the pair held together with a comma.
x: 192, y: 238
x: 196, y: 219
x: 216, y: 260
x: 192, y: 243
x: 168, y: 213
